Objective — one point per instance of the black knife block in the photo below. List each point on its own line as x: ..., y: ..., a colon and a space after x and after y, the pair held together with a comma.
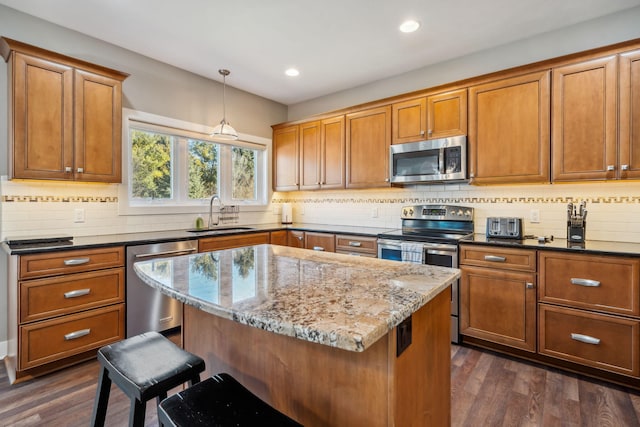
x: 576, y: 233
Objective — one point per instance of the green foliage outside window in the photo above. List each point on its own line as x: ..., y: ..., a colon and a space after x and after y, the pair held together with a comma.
x: 151, y: 155
x: 203, y: 169
x: 244, y: 173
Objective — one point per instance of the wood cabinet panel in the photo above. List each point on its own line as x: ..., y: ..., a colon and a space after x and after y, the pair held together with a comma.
x: 357, y: 244
x: 610, y: 284
x: 447, y: 114
x: 295, y: 239
x: 629, y: 108
x: 495, y: 257
x: 285, y: 159
x: 98, y: 128
x: 368, y: 142
x: 584, y: 120
x: 509, y: 122
x: 309, y: 134
x: 66, y: 262
x: 409, y: 120
x: 42, y: 143
x: 51, y: 340
x: 332, y: 153
x: 206, y: 244
x: 49, y: 297
x: 320, y: 241
x: 601, y: 341
x: 278, y: 237
x: 499, y: 306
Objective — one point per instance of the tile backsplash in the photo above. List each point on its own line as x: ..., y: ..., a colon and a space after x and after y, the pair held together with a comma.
x: 31, y: 208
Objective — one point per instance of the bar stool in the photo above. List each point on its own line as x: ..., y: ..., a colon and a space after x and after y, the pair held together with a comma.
x: 219, y: 401
x: 144, y: 366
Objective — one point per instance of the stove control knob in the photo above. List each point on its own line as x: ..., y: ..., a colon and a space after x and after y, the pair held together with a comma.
x: 468, y: 213
x: 411, y: 212
x: 460, y: 212
x: 404, y: 212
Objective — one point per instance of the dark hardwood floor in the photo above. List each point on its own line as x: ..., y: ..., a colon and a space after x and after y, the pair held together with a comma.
x: 487, y: 390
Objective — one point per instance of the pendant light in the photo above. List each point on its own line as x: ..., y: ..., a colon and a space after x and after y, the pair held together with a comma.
x: 224, y: 131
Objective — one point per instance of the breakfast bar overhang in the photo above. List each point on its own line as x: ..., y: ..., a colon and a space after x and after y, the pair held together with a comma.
x: 328, y: 339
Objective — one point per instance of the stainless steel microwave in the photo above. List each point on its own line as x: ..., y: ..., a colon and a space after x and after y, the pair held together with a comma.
x: 436, y: 160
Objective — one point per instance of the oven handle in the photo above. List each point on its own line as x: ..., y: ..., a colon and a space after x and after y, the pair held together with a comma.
x: 436, y: 252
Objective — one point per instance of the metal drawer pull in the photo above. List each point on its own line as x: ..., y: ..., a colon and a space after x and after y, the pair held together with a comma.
x: 585, y: 282
x: 77, y: 334
x: 318, y: 248
x: 76, y: 261
x: 585, y: 339
x: 160, y: 254
x: 355, y: 244
x: 494, y: 258
x: 530, y: 285
x: 77, y: 293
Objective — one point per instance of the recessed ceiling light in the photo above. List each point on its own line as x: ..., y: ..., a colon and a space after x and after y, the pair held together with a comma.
x: 292, y: 72
x: 409, y: 26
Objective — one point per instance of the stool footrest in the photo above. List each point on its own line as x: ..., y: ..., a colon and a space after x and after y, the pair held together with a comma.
x: 220, y: 401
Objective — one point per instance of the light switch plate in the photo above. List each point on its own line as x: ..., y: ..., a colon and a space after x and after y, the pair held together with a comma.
x: 78, y: 215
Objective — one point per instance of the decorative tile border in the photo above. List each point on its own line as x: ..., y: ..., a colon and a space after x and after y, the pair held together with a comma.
x: 60, y: 199
x: 463, y: 200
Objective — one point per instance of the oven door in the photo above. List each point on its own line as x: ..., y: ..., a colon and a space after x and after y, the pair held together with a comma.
x: 390, y: 249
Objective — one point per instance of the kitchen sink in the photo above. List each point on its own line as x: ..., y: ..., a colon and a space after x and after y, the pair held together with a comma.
x: 219, y: 230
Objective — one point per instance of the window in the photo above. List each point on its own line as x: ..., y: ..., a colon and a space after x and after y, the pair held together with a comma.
x: 173, y: 166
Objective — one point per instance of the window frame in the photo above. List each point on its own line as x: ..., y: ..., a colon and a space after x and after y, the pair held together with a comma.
x: 183, y: 129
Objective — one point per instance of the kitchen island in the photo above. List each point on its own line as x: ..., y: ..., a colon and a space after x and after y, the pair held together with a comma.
x: 328, y: 339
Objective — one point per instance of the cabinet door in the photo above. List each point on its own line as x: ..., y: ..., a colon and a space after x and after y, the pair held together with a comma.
x: 509, y: 130
x: 332, y: 151
x: 285, y: 159
x: 320, y: 241
x: 584, y: 120
x: 368, y: 142
x: 630, y: 114
x: 42, y: 118
x: 409, y: 120
x: 278, y: 237
x: 498, y: 306
x: 98, y: 128
x: 310, y: 156
x: 295, y: 239
x: 447, y: 114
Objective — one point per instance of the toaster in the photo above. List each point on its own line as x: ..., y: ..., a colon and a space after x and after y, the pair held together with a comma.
x: 505, y: 228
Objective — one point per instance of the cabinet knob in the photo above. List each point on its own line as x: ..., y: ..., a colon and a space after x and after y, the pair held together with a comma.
x: 611, y: 168
x: 80, y: 170
x: 530, y: 285
x: 430, y: 132
x: 67, y: 169
x: 624, y: 167
x: 421, y: 132
x: 386, y: 180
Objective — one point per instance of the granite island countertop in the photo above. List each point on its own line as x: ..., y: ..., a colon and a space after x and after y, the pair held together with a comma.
x: 332, y: 299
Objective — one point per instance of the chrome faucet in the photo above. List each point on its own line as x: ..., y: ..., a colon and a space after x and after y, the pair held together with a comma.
x: 214, y: 197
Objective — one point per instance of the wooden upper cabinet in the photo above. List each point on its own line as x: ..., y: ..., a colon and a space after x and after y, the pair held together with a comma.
x: 432, y: 117
x: 509, y: 122
x: 584, y: 120
x: 368, y: 141
x: 409, y: 120
x: 332, y: 159
x: 629, y: 108
x: 285, y: 158
x: 447, y: 114
x: 65, y: 116
x: 309, y: 134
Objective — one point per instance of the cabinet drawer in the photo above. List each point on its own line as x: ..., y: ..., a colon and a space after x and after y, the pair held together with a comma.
x: 228, y: 242
x: 43, y: 298
x: 55, y: 263
x: 349, y: 244
x: 597, y: 340
x: 495, y: 257
x: 51, y: 340
x: 595, y: 282
x: 320, y: 241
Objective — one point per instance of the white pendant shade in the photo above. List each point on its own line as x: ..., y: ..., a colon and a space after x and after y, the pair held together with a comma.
x: 224, y: 131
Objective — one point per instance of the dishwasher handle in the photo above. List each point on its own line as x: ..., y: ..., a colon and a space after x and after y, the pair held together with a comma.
x: 167, y: 253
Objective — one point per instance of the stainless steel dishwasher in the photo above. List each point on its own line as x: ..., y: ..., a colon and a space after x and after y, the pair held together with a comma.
x: 147, y: 308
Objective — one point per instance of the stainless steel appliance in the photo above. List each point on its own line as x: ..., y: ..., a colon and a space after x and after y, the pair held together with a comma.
x: 147, y: 308
x: 437, y: 160
x: 505, y: 228
x: 430, y: 235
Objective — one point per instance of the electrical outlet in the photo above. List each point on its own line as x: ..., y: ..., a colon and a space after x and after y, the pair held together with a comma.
x: 534, y: 216
x: 374, y: 213
x: 78, y: 215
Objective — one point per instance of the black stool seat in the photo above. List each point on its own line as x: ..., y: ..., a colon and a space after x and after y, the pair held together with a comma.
x: 219, y: 401
x: 145, y: 366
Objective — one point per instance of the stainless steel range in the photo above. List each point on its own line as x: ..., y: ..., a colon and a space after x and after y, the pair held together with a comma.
x: 430, y: 235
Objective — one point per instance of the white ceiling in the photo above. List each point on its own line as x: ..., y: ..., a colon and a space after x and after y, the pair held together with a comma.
x: 336, y: 44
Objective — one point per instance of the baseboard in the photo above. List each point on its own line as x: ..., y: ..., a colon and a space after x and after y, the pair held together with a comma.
x: 3, y: 349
